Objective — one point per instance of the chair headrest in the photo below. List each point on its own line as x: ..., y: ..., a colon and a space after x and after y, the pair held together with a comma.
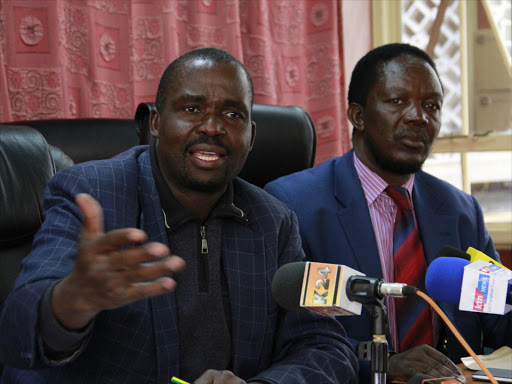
x: 285, y: 141
x: 60, y: 159
x: 142, y: 119
x: 26, y: 166
x: 87, y: 138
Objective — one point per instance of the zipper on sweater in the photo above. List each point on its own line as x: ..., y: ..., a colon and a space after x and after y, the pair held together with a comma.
x: 204, y: 243
x: 203, y: 272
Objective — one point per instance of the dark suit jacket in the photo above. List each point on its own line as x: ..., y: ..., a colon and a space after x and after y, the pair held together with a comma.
x: 336, y: 227
x: 138, y: 343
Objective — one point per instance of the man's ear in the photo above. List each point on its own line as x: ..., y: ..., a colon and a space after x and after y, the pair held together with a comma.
x: 154, y: 122
x: 253, y: 133
x: 355, y: 114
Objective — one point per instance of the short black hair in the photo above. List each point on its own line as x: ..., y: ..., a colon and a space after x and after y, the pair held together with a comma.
x: 215, y: 55
x: 368, y: 69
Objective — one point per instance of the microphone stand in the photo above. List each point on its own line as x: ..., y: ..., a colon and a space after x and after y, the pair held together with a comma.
x: 375, y: 350
x: 379, y: 343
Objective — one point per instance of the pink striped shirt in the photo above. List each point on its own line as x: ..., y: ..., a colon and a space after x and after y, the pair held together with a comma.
x: 382, y: 212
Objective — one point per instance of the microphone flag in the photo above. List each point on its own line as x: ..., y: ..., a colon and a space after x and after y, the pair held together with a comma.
x: 484, y: 288
x: 324, y: 289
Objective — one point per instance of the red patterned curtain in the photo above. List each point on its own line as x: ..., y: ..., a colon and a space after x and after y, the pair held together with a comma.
x: 100, y: 58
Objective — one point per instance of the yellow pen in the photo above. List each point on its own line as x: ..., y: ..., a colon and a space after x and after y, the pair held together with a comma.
x: 178, y: 381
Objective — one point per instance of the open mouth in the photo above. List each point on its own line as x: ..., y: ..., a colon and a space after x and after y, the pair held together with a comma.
x: 208, y: 157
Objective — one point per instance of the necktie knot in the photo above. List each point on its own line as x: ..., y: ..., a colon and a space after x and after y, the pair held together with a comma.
x: 400, y: 196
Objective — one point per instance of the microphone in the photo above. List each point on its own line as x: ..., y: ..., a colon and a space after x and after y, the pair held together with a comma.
x: 330, y: 289
x: 287, y: 285
x: 479, y: 286
x: 443, y: 279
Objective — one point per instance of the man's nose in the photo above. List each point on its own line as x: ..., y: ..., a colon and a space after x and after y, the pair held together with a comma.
x: 212, y: 125
x: 416, y: 114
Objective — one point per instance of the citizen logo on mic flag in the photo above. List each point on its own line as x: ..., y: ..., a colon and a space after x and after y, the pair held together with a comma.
x: 324, y: 289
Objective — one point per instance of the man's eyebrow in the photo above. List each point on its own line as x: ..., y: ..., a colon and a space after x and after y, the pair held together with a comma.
x: 396, y: 88
x: 399, y: 89
x: 188, y: 97
x: 236, y: 104
x: 437, y: 94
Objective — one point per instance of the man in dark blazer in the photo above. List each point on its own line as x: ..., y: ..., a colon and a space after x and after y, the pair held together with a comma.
x: 395, y: 100
x: 101, y: 299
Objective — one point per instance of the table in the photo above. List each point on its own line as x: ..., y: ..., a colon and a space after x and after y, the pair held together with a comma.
x: 467, y: 374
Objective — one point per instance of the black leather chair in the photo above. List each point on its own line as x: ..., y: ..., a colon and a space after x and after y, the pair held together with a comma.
x: 27, y: 163
x: 285, y: 141
x: 86, y: 138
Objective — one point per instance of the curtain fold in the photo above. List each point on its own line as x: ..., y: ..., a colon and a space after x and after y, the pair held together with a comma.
x: 101, y: 58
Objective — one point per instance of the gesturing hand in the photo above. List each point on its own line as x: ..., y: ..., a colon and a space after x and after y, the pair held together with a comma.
x: 421, y: 360
x: 106, y: 273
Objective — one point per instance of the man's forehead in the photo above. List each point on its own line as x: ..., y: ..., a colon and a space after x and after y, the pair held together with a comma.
x: 399, y: 69
x: 404, y: 61
x: 195, y: 82
x: 197, y: 64
x: 193, y: 70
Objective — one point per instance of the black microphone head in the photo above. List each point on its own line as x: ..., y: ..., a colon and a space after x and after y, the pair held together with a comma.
x: 287, y: 285
x: 449, y: 251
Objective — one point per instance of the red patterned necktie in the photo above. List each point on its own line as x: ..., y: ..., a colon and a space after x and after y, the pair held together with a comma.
x: 414, y: 322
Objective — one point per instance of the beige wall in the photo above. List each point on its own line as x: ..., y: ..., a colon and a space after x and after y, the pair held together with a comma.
x: 357, y: 34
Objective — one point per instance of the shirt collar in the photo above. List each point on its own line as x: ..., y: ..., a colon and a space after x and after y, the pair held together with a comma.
x: 374, y: 185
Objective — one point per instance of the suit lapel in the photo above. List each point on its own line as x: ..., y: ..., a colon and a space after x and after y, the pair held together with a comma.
x: 163, y: 307
x: 436, y: 230
x: 355, y: 218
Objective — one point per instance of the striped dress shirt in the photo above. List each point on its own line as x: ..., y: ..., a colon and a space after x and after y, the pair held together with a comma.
x: 382, y: 210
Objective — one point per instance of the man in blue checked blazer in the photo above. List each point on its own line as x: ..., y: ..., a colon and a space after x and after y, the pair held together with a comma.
x: 103, y: 298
